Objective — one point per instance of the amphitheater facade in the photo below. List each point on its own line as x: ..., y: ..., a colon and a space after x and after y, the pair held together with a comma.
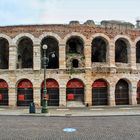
x: 94, y: 65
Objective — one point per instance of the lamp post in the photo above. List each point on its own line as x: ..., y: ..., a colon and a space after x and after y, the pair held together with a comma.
x: 45, y: 63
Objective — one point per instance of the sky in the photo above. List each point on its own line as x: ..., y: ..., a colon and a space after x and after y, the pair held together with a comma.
x: 23, y: 12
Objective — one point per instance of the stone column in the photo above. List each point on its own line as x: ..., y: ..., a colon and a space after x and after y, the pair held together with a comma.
x: 62, y: 56
x: 111, y: 54
x: 36, y: 57
x: 62, y: 96
x: 12, y: 57
x: 12, y: 96
x: 88, y: 95
x: 133, y: 95
x: 132, y: 55
x: 88, y: 88
x: 111, y: 95
x: 88, y: 63
x: 37, y: 96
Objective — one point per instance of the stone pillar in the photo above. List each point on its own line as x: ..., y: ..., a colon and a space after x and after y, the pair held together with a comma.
x: 111, y: 95
x: 12, y: 57
x: 12, y: 97
x: 88, y: 95
x: 36, y: 57
x: 62, y: 96
x: 132, y: 55
x: 133, y: 95
x: 111, y: 54
x: 88, y: 88
x: 88, y: 63
x: 37, y: 96
x: 62, y: 56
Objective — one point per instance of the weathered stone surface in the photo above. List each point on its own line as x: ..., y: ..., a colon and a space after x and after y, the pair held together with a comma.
x: 89, y: 72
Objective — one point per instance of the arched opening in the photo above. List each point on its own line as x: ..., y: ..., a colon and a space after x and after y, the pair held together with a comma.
x: 75, y: 93
x: 122, y: 93
x: 75, y: 52
x: 138, y: 92
x: 74, y: 45
x: 4, y: 53
x: 138, y: 52
x: 121, y: 51
x: 3, y: 93
x: 52, y: 92
x: 75, y: 63
x: 99, y: 92
x: 25, y: 53
x: 99, y: 50
x: 24, y: 93
x: 53, y: 48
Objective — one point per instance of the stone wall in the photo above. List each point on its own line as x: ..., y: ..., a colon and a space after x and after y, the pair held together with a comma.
x: 110, y: 71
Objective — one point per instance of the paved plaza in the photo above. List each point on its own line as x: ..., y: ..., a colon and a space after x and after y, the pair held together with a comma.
x: 52, y: 128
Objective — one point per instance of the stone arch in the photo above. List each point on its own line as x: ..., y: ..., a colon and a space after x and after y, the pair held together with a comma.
x: 52, y: 52
x: 74, y: 49
x: 122, y: 91
x: 75, y: 34
x: 105, y: 37
x: 137, y: 46
x: 4, y: 97
x: 24, y: 92
x: 19, y: 37
x: 75, y: 92
x: 50, y: 34
x: 100, y: 92
x: 7, y: 38
x: 4, y: 53
x: 96, y: 54
x: 136, y: 40
x: 122, y: 49
x: 138, y: 92
x: 52, y: 86
x: 25, y: 53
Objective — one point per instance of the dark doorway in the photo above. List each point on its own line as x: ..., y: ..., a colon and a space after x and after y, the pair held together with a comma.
x: 99, y: 93
x: 25, y: 53
x: 4, y: 54
x: 74, y: 45
x: 138, y: 93
x: 138, y: 52
x: 53, y: 49
x: 121, y: 55
x: 122, y: 93
x: 75, y: 63
x: 52, y: 92
x: 3, y: 93
x: 99, y: 49
x: 75, y: 91
x: 24, y: 93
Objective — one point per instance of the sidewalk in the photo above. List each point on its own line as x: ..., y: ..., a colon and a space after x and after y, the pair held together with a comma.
x: 91, y: 111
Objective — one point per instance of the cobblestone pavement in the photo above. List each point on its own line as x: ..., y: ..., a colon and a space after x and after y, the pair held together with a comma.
x: 87, y: 128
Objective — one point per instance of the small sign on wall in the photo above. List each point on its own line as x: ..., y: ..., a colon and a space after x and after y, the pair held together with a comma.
x: 1, y: 97
x: 21, y: 97
x: 70, y: 97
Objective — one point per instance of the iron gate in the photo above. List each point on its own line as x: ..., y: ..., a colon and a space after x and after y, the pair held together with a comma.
x: 75, y: 94
x: 53, y: 96
x: 122, y: 93
x: 4, y: 96
x: 24, y: 97
x: 138, y: 93
x: 99, y: 96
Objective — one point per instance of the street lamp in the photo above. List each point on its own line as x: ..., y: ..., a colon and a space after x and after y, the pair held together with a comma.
x: 45, y: 62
